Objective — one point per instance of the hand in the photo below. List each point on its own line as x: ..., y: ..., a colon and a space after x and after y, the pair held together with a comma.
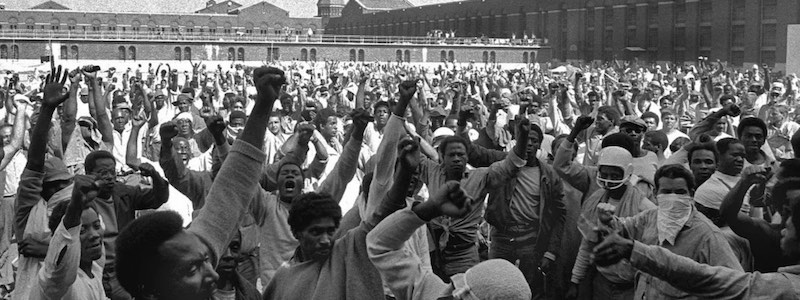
x: 147, y: 170
x: 583, y: 122
x: 523, y: 129
x: 409, y: 154
x: 168, y: 131
x: 465, y: 113
x: 216, y: 125
x: 268, y: 81
x: 31, y: 247
x: 206, y: 112
x: 138, y: 120
x: 361, y: 118
x: 305, y: 131
x: 732, y: 109
x: 451, y: 200
x: 545, y: 265
x: 407, y: 89
x: 54, y: 88
x: 754, y: 174
x: 572, y: 291
x: 612, y: 249
x: 85, y: 189
x: 89, y: 75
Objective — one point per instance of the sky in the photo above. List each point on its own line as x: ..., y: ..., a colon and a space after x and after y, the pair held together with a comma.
x: 296, y: 8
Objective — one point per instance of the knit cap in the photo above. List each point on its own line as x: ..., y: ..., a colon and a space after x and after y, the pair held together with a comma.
x: 492, y: 279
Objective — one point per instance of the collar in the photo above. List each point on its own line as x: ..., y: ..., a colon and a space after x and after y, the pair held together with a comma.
x: 793, y: 269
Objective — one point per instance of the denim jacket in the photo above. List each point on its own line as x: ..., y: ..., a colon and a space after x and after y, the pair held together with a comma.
x: 552, y: 209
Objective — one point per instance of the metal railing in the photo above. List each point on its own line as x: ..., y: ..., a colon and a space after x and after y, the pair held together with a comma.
x: 239, y: 36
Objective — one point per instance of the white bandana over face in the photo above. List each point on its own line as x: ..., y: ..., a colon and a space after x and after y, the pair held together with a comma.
x: 673, y: 213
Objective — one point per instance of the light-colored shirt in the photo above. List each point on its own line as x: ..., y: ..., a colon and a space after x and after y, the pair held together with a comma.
x: 61, y: 277
x: 699, y: 239
x: 715, y: 282
x: 120, y: 146
x: 14, y: 172
x: 525, y: 200
x: 711, y: 193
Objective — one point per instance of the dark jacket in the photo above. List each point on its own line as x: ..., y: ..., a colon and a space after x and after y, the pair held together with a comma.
x: 552, y: 210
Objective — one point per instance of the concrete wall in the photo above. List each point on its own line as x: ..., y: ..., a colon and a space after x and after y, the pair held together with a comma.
x: 793, y: 43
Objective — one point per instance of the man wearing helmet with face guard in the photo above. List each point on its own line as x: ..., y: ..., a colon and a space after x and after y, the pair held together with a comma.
x: 613, y: 176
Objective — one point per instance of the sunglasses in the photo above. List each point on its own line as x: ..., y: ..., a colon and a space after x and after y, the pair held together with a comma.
x: 635, y: 130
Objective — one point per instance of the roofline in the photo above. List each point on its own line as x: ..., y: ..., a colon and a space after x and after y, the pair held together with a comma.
x: 384, y: 9
x: 113, y: 12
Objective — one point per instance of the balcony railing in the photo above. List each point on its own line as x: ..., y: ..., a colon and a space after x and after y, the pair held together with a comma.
x: 238, y: 36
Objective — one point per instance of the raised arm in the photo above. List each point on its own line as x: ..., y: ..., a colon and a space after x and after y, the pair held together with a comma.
x: 573, y: 173
x: 387, y: 150
x: 101, y: 108
x: 20, y: 122
x: 63, y: 257
x: 132, y: 148
x: 236, y: 185
x: 69, y: 116
x: 730, y: 209
x: 346, y: 165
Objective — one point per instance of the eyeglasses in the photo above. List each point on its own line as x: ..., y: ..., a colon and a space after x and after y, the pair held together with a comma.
x: 635, y: 130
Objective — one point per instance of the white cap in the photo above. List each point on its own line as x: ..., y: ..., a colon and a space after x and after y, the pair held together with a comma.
x: 616, y: 157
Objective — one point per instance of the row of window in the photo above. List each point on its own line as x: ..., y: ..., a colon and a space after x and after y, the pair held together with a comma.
x: 127, y: 53
x: 308, y: 55
x: 71, y: 52
x: 5, y: 54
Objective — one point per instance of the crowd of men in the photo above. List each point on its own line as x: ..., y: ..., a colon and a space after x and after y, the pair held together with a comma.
x: 343, y: 180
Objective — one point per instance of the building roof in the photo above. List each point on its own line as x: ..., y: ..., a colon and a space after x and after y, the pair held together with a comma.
x: 431, y: 2
x: 384, y: 4
x: 296, y: 8
x: 221, y: 7
x: 50, y: 5
x: 331, y: 2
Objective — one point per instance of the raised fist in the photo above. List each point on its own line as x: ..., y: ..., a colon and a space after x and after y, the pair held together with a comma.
x: 268, y: 81
x: 216, y: 125
x: 451, y: 200
x: 583, y: 122
x: 147, y: 170
x: 407, y: 89
x: 168, y: 131
x: 408, y: 152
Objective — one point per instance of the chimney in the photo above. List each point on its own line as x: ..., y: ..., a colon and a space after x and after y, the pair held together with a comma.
x: 210, y: 3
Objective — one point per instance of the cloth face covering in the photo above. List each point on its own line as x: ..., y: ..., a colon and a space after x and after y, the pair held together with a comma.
x: 673, y: 212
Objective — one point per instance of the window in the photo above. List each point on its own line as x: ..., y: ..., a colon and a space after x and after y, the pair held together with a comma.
x: 680, y: 12
x: 352, y: 55
x: 704, y: 36
x: 3, y: 52
x: 132, y: 53
x: 769, y: 9
x: 525, y: 57
x: 122, y: 53
x: 680, y: 37
x: 652, y: 13
x: 630, y: 38
x: 737, y: 36
x: 768, y: 32
x: 178, y: 54
x: 652, y: 37
x: 608, y: 17
x: 361, y: 55
x: 590, y: 18
x: 608, y: 38
x: 492, y: 57
x: 73, y: 53
x: 62, y: 55
x: 768, y: 57
x: 451, y: 56
x: 706, y: 11
x: 303, y: 54
x: 737, y: 58
x: 443, y: 56
x: 680, y: 56
x: 15, y: 51
x: 187, y: 53
x: 589, y: 44
x: 312, y: 55
x: 231, y: 54
x: 407, y: 56
x: 630, y: 15
x: 398, y: 55
x: 240, y: 54
x: 274, y: 53
x: 485, y: 57
x: 738, y: 12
